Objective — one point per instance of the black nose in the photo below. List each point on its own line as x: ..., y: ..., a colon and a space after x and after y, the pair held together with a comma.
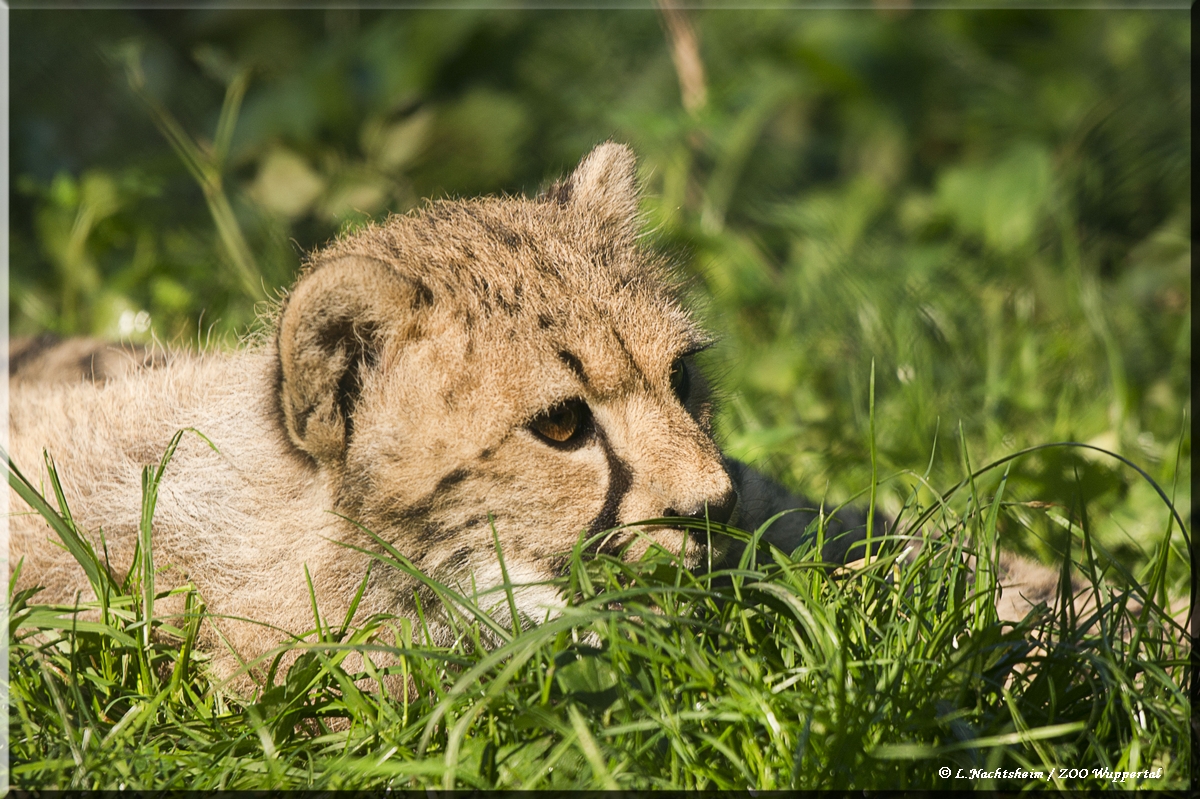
x: 719, y: 510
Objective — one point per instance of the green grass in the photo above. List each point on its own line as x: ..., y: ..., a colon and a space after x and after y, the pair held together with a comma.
x: 917, y: 235
x: 778, y: 673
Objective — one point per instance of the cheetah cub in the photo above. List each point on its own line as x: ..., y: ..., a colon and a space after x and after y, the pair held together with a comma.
x: 516, y: 363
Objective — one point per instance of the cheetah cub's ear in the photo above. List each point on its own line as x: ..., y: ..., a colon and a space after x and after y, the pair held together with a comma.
x: 603, y: 186
x: 330, y: 334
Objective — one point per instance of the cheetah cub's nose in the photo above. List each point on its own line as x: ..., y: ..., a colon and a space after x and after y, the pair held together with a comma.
x: 719, y: 510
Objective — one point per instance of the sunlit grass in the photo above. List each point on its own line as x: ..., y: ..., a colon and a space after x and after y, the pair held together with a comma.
x: 776, y: 672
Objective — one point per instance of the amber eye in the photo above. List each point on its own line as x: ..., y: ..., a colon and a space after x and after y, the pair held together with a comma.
x: 563, y: 423
x: 680, y: 383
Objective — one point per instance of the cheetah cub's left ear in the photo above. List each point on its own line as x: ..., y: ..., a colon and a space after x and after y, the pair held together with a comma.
x: 330, y: 334
x: 603, y: 186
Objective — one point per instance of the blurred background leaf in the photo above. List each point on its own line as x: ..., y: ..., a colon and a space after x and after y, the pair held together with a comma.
x: 993, y: 206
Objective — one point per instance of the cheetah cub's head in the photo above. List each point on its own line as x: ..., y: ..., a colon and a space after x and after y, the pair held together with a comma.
x: 519, y: 360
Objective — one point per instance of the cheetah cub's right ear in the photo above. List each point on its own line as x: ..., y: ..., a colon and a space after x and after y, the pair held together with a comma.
x: 330, y: 335
x: 603, y: 186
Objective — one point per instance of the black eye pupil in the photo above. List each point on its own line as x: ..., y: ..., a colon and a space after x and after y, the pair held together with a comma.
x: 561, y: 424
x: 564, y: 419
x: 679, y: 380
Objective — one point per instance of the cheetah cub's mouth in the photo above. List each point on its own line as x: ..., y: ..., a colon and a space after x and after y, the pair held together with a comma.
x: 522, y: 365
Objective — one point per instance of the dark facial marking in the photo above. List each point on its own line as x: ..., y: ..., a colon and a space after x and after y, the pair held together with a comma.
x: 423, y: 296
x: 435, y: 533
x: 421, y: 508
x: 457, y: 561
x: 574, y: 364
x: 620, y: 479
x: 450, y: 480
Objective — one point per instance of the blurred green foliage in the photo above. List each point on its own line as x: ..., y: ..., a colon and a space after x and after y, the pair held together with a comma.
x: 992, y: 207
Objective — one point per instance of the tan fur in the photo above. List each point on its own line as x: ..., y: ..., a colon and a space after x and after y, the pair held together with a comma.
x: 409, y: 360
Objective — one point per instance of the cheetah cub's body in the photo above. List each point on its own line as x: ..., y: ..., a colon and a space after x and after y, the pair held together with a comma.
x: 514, y: 362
